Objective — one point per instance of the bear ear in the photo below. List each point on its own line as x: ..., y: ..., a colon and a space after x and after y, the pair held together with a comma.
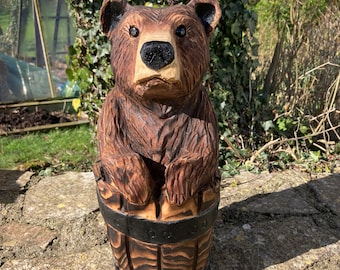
x: 111, y: 12
x: 208, y: 11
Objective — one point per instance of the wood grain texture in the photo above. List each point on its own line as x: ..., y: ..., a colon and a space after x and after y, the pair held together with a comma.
x: 136, y: 255
x: 157, y: 130
x: 131, y: 254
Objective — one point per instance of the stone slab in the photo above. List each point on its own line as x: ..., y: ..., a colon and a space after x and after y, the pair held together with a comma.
x: 248, y: 240
x: 22, y: 235
x: 327, y: 190
x: 245, y: 185
x: 257, y: 245
x: 65, y: 197
x: 318, y: 258
x: 13, y: 180
x: 284, y: 202
x: 98, y: 258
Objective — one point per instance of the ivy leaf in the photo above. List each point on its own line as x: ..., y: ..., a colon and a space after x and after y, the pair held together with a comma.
x: 69, y: 74
x: 304, y: 129
x: 235, y: 28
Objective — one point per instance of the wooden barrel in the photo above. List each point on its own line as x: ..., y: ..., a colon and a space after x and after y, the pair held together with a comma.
x: 159, y: 235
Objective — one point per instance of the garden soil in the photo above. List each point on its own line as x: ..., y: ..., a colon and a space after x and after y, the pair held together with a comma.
x: 13, y: 119
x: 280, y: 220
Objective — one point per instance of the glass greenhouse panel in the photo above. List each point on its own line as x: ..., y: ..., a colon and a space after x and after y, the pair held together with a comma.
x: 34, y: 40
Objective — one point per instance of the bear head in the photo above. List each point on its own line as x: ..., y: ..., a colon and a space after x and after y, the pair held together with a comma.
x: 159, y: 53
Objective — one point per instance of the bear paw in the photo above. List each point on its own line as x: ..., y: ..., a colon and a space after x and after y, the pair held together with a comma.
x: 129, y: 175
x: 183, y: 178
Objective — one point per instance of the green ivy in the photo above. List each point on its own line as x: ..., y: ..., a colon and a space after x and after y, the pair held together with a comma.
x: 89, y: 57
x: 232, y: 79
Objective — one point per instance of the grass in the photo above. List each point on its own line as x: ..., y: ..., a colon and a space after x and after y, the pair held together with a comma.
x: 53, y: 151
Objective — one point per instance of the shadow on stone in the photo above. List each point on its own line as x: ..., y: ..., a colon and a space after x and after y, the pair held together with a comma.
x: 12, y: 183
x: 268, y: 229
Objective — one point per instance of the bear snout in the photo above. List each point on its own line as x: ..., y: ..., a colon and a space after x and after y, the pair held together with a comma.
x: 157, y: 54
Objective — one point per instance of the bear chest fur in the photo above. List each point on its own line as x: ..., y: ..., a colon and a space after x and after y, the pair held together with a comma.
x: 160, y: 134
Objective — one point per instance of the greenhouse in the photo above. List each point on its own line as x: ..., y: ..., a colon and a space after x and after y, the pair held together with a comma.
x: 34, y: 40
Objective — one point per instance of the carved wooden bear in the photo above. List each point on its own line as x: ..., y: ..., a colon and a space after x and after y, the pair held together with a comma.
x: 157, y: 176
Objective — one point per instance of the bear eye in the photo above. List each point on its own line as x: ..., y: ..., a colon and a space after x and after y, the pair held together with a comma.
x: 133, y: 31
x: 181, y: 31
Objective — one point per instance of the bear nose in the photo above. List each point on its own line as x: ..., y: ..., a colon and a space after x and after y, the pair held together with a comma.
x: 157, y: 54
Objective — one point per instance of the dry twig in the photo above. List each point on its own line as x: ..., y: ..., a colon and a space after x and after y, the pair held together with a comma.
x: 282, y: 141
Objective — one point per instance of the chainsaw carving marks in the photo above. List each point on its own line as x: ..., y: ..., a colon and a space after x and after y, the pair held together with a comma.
x: 133, y: 254
x: 157, y: 131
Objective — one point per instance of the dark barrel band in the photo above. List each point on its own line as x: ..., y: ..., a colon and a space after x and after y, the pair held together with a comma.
x: 159, y: 232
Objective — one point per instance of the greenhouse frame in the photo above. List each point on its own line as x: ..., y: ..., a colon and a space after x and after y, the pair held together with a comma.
x: 34, y: 40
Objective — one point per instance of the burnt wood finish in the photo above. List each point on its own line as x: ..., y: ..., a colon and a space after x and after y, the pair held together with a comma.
x: 159, y: 232
x: 157, y: 136
x: 131, y: 253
